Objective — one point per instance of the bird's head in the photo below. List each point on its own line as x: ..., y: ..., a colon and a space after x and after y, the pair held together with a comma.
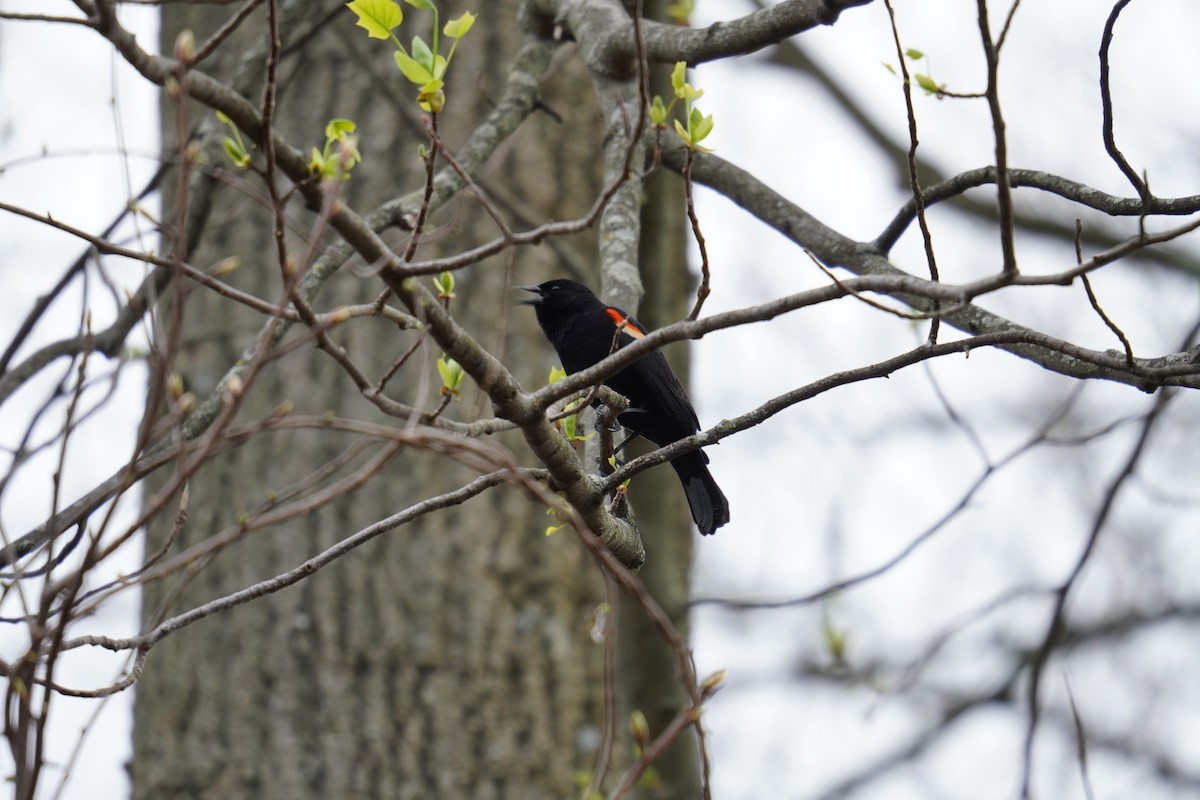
x: 560, y: 294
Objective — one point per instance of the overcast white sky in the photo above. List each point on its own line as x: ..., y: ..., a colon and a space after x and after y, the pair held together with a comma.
x: 845, y: 480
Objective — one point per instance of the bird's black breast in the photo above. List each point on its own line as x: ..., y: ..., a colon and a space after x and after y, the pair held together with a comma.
x: 582, y: 340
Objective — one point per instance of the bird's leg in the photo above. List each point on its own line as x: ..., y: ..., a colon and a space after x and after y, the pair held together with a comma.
x: 633, y: 435
x: 610, y: 408
x: 606, y: 420
x: 606, y: 426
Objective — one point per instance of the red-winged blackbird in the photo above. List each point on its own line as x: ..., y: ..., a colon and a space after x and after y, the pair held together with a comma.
x: 584, y: 331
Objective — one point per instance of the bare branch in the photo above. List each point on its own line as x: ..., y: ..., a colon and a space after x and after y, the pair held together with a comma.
x: 1058, y: 613
x: 149, y: 639
x: 1004, y: 204
x: 668, y: 43
x: 1106, y: 108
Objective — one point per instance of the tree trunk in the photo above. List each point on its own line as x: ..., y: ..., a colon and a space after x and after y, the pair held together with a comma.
x: 448, y: 658
x: 662, y: 512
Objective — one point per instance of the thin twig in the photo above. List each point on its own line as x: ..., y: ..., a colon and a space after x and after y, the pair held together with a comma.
x: 914, y: 178
x: 1106, y: 108
x: 702, y: 291
x: 1004, y: 203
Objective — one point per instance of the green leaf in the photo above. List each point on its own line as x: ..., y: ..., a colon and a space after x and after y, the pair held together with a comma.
x: 339, y: 129
x: 683, y: 133
x: 235, y: 148
x: 377, y: 17
x: 658, y: 112
x: 425, y: 4
x: 237, y: 153
x: 423, y: 55
x: 683, y: 89
x: 457, y: 28
x: 444, y: 283
x: 439, y: 66
x: 411, y: 69
x: 431, y: 97
x: 888, y: 67
x: 927, y: 83
x: 699, y: 125
x: 914, y: 54
x: 451, y: 372
x: 639, y: 727
x: 316, y: 162
x: 679, y: 78
x: 557, y: 374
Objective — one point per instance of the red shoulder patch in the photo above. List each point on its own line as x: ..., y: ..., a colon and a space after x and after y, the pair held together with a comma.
x: 625, y: 323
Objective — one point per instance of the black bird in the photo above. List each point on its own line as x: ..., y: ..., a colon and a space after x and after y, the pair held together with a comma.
x: 584, y: 331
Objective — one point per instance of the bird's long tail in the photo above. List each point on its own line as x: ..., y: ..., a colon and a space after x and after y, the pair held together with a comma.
x: 709, y: 507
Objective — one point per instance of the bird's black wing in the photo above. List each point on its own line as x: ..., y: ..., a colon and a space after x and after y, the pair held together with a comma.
x: 668, y: 393
x: 664, y: 392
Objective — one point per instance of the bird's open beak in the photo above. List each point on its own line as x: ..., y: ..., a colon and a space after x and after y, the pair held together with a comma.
x: 530, y: 301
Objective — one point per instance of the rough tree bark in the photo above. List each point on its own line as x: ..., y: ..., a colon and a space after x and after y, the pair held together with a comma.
x: 450, y: 658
